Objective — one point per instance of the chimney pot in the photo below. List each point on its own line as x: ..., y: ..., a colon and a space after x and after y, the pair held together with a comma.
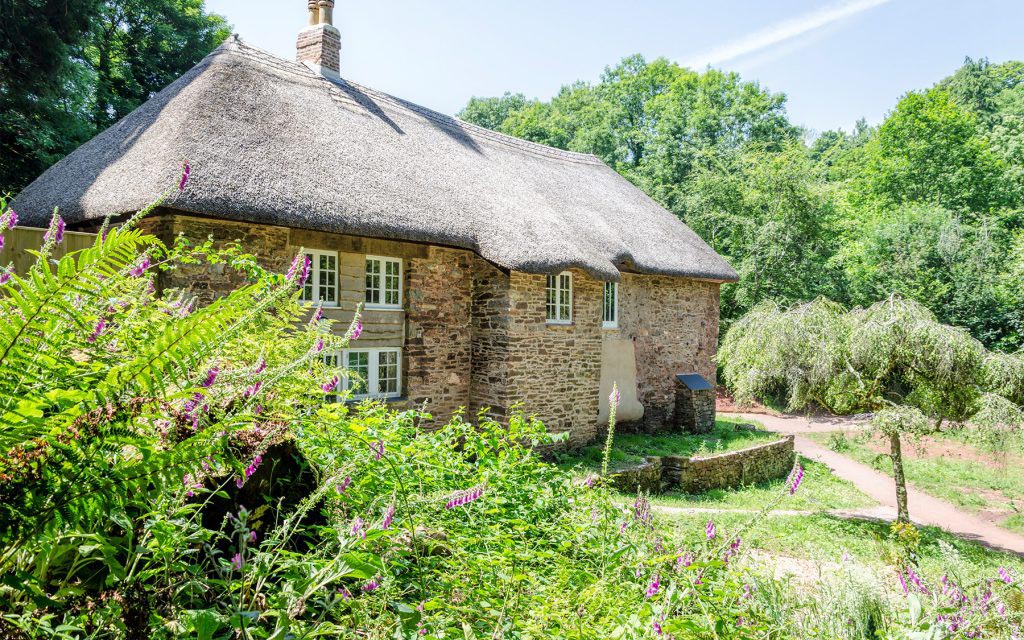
x: 319, y: 44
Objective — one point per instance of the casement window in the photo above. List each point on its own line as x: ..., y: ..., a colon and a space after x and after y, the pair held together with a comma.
x: 559, y: 298
x: 610, y: 318
x: 322, y: 284
x: 383, y: 283
x: 372, y: 373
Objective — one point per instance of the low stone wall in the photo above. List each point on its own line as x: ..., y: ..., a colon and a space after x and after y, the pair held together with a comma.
x: 723, y: 471
x: 647, y: 477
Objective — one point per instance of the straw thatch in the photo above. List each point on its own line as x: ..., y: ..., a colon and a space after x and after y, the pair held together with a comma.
x: 272, y: 142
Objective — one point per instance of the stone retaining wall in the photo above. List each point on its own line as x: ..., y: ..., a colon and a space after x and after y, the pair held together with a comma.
x: 723, y: 471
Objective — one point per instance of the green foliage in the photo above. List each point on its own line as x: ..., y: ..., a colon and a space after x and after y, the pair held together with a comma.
x: 927, y: 204
x: 71, y: 68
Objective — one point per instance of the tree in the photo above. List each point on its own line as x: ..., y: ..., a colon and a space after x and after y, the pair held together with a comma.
x: 893, y: 359
x: 492, y: 112
x: 71, y: 68
x: 137, y: 47
x: 39, y: 120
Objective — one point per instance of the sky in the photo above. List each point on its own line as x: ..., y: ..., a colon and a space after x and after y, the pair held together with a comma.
x: 836, y: 60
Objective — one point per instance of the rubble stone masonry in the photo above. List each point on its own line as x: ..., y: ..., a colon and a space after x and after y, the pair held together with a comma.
x: 475, y: 336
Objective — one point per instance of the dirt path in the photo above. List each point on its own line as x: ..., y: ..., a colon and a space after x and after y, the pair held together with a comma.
x: 924, y: 509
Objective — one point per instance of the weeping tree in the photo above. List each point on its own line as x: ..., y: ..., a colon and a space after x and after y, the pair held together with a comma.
x: 892, y: 359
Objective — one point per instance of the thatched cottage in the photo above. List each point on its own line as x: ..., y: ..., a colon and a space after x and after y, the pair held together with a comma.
x: 493, y: 271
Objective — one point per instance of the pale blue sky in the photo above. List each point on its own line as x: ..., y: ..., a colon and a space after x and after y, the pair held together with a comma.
x: 837, y: 60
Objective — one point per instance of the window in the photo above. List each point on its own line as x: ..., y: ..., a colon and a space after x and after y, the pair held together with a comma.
x: 560, y: 298
x: 373, y: 373
x: 322, y: 284
x: 383, y: 283
x: 610, y: 319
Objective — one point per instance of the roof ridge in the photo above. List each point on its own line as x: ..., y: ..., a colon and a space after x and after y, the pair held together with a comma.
x: 235, y: 44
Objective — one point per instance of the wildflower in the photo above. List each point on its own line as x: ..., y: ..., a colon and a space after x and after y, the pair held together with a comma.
x: 346, y: 595
x: 700, y: 578
x: 622, y: 527
x: 237, y: 562
x: 372, y: 585
x: 307, y: 265
x: 903, y: 583
x: 684, y: 560
x: 186, y: 171
x: 652, y: 589
x: 252, y: 389
x: 101, y: 326
x: 340, y: 488
x: 378, y: 449
x: 5, y: 276
x: 191, y: 483
x: 462, y: 498
x: 615, y: 397
x: 140, y: 268
x: 211, y: 377
x: 319, y: 346
x: 1001, y: 609
x: 1004, y: 573
x: 590, y: 481
x: 748, y: 592
x: 330, y: 385
x: 642, y: 511
x: 317, y: 317
x: 261, y: 367
x: 250, y: 471
x: 657, y: 627
x: 358, y: 331
x: 796, y: 476
x: 357, y: 528
x: 389, y: 517
x: 9, y: 220
x: 294, y: 268
x: 916, y: 581
x: 55, y: 233
x: 253, y: 537
x: 709, y: 530
x: 151, y: 287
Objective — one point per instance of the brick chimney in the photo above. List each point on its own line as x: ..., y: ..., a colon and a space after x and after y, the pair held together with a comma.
x: 319, y: 45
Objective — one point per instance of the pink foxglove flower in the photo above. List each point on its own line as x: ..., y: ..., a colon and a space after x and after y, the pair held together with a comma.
x: 1004, y: 575
x: 655, y: 585
x: 307, y: 265
x: 260, y: 367
x: 317, y: 317
x: 709, y: 530
x: 615, y: 397
x: 378, y: 449
x: 252, y: 389
x: 330, y: 385
x: 140, y: 268
x: 372, y: 585
x: 101, y: 326
x: 462, y: 498
x: 292, y: 270
x: 796, y: 476
x: 5, y: 276
x: 343, y: 486
x: 55, y: 233
x: 357, y: 528
x: 389, y: 517
x: 358, y: 331
x: 237, y: 562
x: 186, y: 172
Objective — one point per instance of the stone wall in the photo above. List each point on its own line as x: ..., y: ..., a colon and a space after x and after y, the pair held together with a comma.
x: 695, y: 409
x: 730, y: 470
x: 674, y: 325
x: 555, y: 370
x: 475, y: 335
x: 761, y: 463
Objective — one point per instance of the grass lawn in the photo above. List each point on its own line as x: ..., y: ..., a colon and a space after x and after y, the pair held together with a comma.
x: 824, y: 539
x: 952, y: 469
x: 630, y: 449
x: 820, y: 491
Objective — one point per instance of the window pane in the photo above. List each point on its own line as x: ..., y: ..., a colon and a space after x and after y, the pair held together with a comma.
x: 611, y: 293
x: 552, y: 312
x: 359, y: 371
x: 373, y: 281
x: 387, y: 372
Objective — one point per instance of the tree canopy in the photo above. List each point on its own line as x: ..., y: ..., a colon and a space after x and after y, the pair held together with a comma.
x: 929, y: 204
x: 71, y: 68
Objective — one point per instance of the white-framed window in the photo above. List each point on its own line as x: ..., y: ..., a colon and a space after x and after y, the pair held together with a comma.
x: 322, y: 284
x: 610, y: 317
x: 383, y: 283
x: 559, y: 298
x: 371, y: 373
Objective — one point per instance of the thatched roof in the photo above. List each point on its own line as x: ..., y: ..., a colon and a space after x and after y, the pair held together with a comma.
x: 272, y: 142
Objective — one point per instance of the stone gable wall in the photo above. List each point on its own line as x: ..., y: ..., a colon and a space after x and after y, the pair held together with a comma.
x: 673, y: 323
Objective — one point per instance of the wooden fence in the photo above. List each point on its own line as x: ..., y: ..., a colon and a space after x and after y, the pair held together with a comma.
x: 18, y: 242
